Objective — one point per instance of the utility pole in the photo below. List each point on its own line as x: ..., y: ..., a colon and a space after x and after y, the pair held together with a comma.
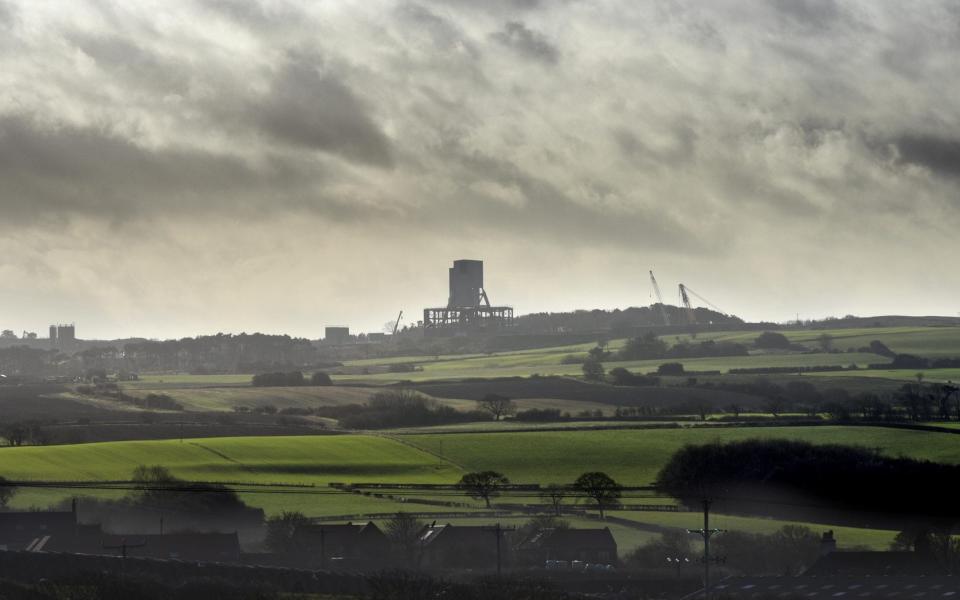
x: 706, y: 533
x: 323, y: 550
x: 498, y: 530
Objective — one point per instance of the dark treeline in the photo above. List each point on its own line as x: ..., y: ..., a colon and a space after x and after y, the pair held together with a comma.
x: 400, y: 408
x: 770, y: 476
x: 788, y: 551
x: 618, y: 321
x: 111, y: 391
x: 289, y: 379
x: 648, y: 346
x: 221, y: 353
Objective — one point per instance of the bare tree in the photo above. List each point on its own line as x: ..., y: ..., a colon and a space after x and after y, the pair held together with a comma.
x: 600, y: 487
x: 555, y: 495
x: 280, y: 530
x: 496, y: 405
x: 7, y: 492
x: 403, y: 531
x: 483, y: 485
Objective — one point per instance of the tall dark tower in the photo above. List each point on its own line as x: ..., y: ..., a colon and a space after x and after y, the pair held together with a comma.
x: 466, y: 283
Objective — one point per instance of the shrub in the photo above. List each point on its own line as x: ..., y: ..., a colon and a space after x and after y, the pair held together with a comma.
x: 320, y: 378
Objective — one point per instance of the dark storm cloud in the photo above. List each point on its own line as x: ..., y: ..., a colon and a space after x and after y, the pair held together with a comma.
x: 527, y: 42
x: 939, y: 154
x: 317, y: 111
x: 544, y: 203
x: 54, y: 173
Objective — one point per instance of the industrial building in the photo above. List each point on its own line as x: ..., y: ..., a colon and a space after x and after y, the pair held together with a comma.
x: 468, y: 306
x: 336, y: 335
x: 63, y: 336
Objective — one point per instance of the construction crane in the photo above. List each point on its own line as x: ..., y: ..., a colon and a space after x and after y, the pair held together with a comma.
x: 685, y: 301
x: 396, y: 325
x: 685, y: 293
x: 663, y: 309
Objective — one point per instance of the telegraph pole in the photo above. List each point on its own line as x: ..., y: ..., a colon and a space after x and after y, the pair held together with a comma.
x: 498, y: 530
x: 706, y: 533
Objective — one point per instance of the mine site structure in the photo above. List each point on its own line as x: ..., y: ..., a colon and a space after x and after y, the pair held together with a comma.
x: 663, y: 308
x: 685, y: 293
x: 468, y: 305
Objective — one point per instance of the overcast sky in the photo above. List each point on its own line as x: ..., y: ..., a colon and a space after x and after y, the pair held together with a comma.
x: 172, y: 168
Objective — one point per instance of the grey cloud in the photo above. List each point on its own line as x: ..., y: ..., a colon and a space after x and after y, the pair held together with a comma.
x: 251, y: 13
x: 527, y: 42
x: 317, y: 111
x: 810, y: 14
x: 682, y: 150
x: 445, y: 35
x: 126, y: 59
x: 7, y: 14
x: 939, y: 154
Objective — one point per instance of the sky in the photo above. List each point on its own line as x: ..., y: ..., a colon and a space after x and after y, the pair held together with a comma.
x: 172, y: 168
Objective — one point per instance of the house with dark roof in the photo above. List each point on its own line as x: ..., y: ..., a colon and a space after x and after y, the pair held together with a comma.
x: 345, y: 545
x: 586, y: 545
x: 25, y: 530
x: 462, y: 547
x: 850, y: 563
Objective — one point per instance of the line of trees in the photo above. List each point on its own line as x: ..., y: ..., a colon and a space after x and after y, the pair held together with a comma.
x: 290, y: 379
x: 758, y: 476
x: 597, y: 486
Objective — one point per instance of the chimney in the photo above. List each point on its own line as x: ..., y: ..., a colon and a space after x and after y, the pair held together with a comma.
x: 828, y: 543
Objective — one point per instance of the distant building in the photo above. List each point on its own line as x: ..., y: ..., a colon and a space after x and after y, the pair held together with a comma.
x: 586, y: 545
x: 63, y: 335
x: 25, y: 530
x: 466, y: 284
x: 461, y: 547
x: 336, y: 335
x: 468, y: 308
x: 347, y: 546
x: 66, y: 333
x: 851, y: 563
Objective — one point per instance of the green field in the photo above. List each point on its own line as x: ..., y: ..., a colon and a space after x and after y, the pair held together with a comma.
x: 631, y: 456
x: 924, y: 341
x: 525, y: 365
x: 929, y: 375
x: 635, y: 456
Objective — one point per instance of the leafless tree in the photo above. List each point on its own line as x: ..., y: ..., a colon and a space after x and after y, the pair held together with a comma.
x: 496, y: 405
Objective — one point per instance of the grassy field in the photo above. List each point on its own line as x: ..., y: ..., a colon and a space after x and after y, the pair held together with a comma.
x: 876, y: 539
x: 634, y: 456
x: 551, y: 364
x: 929, y: 375
x: 631, y: 456
x: 924, y: 341
x: 195, y: 398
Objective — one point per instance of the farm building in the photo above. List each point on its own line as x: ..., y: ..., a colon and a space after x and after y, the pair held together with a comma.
x: 350, y: 545
x: 586, y: 545
x: 460, y: 547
